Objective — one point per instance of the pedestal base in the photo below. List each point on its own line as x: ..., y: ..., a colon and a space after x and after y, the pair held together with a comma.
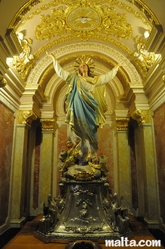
x: 86, y: 210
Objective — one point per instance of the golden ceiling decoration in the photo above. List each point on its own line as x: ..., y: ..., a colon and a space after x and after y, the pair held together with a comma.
x: 54, y: 43
x: 73, y: 51
x: 25, y: 13
x: 84, y: 20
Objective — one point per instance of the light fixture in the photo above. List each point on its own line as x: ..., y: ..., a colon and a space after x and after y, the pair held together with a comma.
x: 146, y: 34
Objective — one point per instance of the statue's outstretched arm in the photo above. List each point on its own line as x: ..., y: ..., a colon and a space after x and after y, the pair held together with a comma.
x: 58, y: 69
x: 105, y: 78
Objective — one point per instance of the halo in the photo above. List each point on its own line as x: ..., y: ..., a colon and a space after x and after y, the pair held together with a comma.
x: 84, y: 59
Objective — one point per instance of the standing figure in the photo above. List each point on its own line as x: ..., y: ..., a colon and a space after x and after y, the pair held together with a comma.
x: 85, y: 104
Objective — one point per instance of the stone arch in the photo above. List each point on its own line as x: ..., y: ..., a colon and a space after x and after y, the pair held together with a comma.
x: 66, y: 56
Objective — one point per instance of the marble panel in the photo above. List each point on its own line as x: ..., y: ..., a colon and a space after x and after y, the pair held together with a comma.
x: 159, y: 125
x: 6, y: 141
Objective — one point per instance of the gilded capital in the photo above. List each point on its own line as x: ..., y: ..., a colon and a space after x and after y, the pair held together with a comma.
x: 48, y: 124
x: 26, y: 117
x: 142, y: 116
x: 122, y: 124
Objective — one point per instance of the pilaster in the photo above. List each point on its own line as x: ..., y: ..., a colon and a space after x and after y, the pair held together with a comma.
x: 46, y: 159
x: 123, y: 159
x: 146, y: 164
x: 19, y: 184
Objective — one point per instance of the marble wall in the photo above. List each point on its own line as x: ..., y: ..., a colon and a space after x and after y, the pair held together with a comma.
x: 159, y: 125
x: 6, y: 142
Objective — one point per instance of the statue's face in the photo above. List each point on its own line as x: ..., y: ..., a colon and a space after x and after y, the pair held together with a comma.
x: 83, y: 68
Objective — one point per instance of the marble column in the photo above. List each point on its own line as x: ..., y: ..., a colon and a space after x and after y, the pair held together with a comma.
x: 23, y: 123
x: 146, y: 168
x: 123, y: 161
x: 46, y: 160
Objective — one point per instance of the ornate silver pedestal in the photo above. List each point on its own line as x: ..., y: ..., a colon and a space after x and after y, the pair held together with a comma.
x: 85, y: 210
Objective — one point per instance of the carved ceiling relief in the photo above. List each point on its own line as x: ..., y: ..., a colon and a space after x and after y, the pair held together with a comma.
x: 108, y: 22
x: 84, y: 20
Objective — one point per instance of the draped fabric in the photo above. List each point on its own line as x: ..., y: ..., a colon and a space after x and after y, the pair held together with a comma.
x: 82, y: 112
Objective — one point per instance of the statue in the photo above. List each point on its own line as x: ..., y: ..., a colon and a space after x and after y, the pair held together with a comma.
x: 51, y: 214
x: 85, y: 208
x: 85, y: 104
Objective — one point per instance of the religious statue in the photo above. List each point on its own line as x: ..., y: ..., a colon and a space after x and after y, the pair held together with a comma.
x: 85, y: 105
x: 85, y: 208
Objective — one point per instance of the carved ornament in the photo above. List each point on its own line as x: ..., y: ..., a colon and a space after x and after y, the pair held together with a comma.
x: 83, y: 20
x: 3, y: 81
x: 84, y: 176
x: 48, y: 124
x: 144, y: 59
x: 71, y: 37
x: 142, y: 116
x: 74, y: 49
x: 122, y: 124
x: 26, y: 117
x: 25, y: 14
x: 24, y: 62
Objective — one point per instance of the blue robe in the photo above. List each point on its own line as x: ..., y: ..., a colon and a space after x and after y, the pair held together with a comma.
x: 82, y: 112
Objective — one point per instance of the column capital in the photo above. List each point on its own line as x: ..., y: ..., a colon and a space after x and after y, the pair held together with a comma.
x: 26, y: 117
x: 142, y: 116
x: 122, y: 123
x: 48, y: 124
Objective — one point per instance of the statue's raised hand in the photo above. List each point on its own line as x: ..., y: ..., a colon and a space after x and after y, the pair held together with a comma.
x: 50, y: 55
